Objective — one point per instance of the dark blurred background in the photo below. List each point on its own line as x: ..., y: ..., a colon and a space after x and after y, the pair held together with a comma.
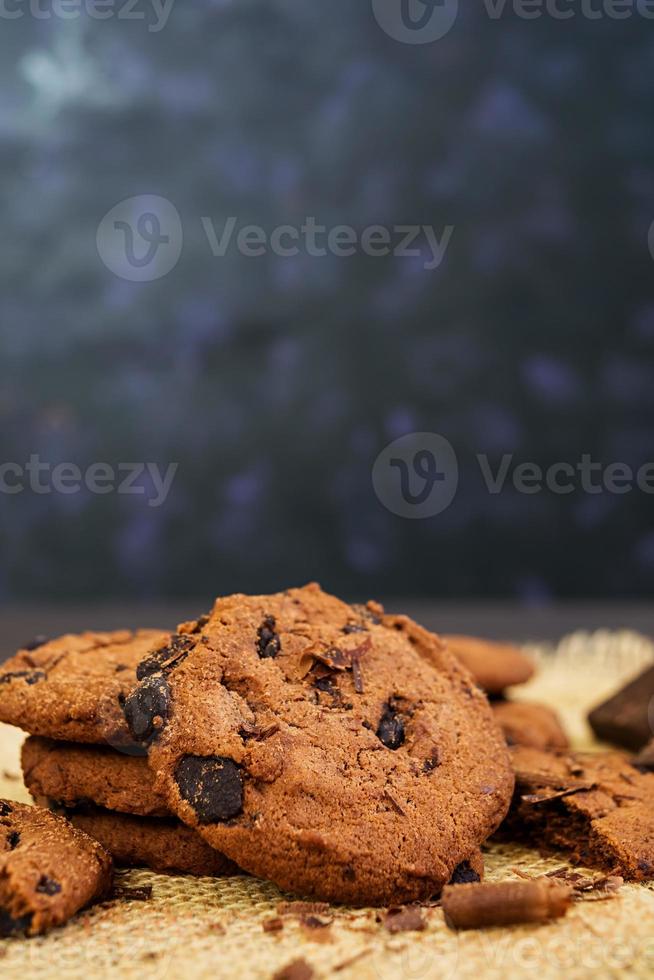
x: 275, y: 382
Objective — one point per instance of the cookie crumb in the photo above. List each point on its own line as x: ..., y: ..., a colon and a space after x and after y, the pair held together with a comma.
x: 274, y: 924
x: 297, y: 970
x: 408, y: 918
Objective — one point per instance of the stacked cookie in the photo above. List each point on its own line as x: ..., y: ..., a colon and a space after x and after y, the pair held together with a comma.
x: 496, y: 667
x: 334, y: 750
x: 81, y: 759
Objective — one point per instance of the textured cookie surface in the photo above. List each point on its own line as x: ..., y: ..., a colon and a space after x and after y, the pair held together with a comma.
x: 536, y: 725
x: 596, y: 806
x: 162, y: 845
x: 72, y: 774
x: 337, y: 751
x: 494, y: 666
x: 72, y: 688
x: 48, y: 870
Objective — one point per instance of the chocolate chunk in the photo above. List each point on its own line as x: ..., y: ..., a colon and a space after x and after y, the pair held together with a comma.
x: 48, y: 886
x: 38, y: 641
x: 463, y: 874
x: 213, y: 786
x: 624, y: 719
x: 29, y: 676
x: 268, y: 641
x: 166, y: 659
x: 354, y: 628
x: 146, y: 709
x: 391, y: 727
x: 13, y: 840
x: 9, y: 926
x: 5, y: 809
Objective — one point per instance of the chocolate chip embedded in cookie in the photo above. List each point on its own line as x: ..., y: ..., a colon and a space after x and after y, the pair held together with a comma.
x: 495, y: 666
x: 72, y: 688
x: 596, y: 806
x: 524, y: 723
x: 48, y: 870
x: 332, y: 749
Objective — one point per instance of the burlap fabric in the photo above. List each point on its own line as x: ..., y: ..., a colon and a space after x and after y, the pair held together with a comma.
x: 215, y: 928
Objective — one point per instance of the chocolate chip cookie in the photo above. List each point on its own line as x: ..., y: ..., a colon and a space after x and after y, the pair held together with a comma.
x: 335, y: 750
x: 72, y: 774
x: 525, y: 723
x: 72, y: 688
x: 162, y: 845
x: 495, y: 666
x: 597, y: 807
x: 48, y: 870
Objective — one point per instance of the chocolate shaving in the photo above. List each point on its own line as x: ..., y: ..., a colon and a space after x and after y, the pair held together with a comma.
x: 124, y: 893
x: 396, y: 806
x: 343, y: 965
x: 303, y: 908
x: 546, y: 794
x: 505, y: 903
x: 341, y: 660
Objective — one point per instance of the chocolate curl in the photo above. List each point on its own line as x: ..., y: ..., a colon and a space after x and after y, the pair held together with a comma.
x: 478, y: 906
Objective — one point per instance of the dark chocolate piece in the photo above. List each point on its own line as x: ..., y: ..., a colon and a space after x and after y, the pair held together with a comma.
x: 463, y: 874
x: 212, y: 785
x: 268, y: 641
x: 164, y: 660
x: 391, y: 727
x: 625, y: 719
x: 29, y: 676
x: 48, y: 886
x: 146, y: 709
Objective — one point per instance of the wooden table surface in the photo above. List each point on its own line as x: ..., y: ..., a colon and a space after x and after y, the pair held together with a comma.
x: 498, y: 620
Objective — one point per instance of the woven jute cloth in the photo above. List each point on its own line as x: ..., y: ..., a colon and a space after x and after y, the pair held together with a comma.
x: 214, y: 928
